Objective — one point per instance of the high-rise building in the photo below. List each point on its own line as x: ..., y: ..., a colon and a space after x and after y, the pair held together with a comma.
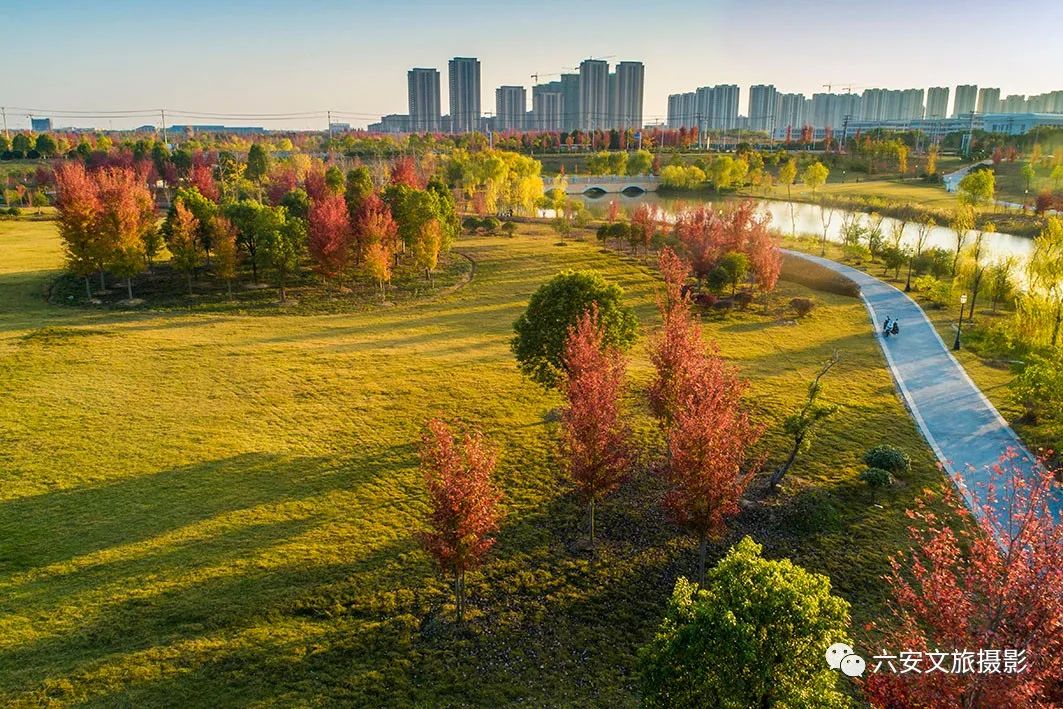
x: 762, y: 105
x: 593, y: 94
x: 937, y: 102
x: 966, y: 98
x: 682, y: 109
x: 988, y: 101
x: 548, y: 107
x: 834, y: 110
x: 790, y: 112
x: 723, y: 109
x: 911, y: 104
x: 511, y: 102
x: 423, y: 92
x: 570, y: 97
x: 464, y: 78
x: 1016, y: 103
x: 630, y: 81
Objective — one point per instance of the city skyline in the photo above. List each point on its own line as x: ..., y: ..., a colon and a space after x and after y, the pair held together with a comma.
x: 330, y: 60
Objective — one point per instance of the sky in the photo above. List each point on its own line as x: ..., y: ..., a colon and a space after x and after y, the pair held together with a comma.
x: 284, y: 57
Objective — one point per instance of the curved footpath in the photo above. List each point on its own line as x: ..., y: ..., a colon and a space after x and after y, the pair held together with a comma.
x: 966, y: 432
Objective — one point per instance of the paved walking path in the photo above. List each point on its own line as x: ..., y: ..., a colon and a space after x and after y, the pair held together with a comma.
x: 966, y: 432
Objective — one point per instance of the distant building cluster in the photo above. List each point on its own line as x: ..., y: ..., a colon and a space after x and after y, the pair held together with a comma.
x: 771, y: 111
x: 595, y: 98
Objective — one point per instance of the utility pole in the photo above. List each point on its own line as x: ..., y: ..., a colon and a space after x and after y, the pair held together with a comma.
x: 162, y: 113
x: 970, y: 137
x: 3, y: 112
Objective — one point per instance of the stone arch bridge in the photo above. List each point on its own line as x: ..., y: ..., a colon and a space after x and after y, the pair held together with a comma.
x: 612, y: 184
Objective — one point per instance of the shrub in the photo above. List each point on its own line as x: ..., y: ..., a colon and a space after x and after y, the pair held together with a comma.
x: 923, y: 283
x: 889, y: 458
x: 705, y: 300
x: 857, y: 252
x: 491, y: 225
x: 471, y: 224
x: 767, y: 614
x: 802, y: 306
x: 509, y: 228
x: 877, y: 477
x: 743, y: 298
x: 1039, y: 387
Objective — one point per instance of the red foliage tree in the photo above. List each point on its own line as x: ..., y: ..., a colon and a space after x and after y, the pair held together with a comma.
x: 644, y: 223
x: 594, y: 438
x: 404, y: 172
x: 78, y: 206
x: 330, y: 237
x: 316, y: 187
x: 708, y: 429
x: 374, y: 225
x: 709, y: 458
x: 995, y: 584
x: 463, y: 502
x: 202, y: 178
x: 281, y: 182
x: 703, y: 236
x: 677, y: 349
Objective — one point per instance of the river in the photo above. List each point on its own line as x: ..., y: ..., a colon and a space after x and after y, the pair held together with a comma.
x: 808, y: 220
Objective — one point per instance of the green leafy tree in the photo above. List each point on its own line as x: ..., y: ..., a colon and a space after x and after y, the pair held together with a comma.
x: 258, y: 163
x: 801, y: 427
x: 334, y: 180
x: 540, y: 331
x: 815, y: 176
x: 1044, y: 273
x: 359, y: 187
x: 977, y: 187
x: 46, y: 146
x: 283, y: 243
x: 735, y: 267
x: 297, y: 202
x: 639, y: 162
x: 754, y: 636
x: 722, y: 171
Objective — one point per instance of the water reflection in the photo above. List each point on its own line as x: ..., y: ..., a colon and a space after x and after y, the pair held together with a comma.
x: 807, y: 219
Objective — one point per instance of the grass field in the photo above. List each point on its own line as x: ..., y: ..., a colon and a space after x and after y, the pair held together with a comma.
x: 200, y: 509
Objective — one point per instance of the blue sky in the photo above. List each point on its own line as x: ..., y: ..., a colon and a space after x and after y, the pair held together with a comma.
x: 273, y: 56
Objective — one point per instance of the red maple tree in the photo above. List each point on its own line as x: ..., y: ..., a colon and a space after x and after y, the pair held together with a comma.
x: 330, y: 236
x: 677, y: 350
x: 404, y: 172
x: 374, y: 225
x: 463, y: 502
x: 708, y: 428
x: 202, y: 178
x: 78, y: 206
x: 992, y: 582
x: 594, y: 437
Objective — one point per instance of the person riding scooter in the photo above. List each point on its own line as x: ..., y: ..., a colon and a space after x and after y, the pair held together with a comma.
x: 887, y: 327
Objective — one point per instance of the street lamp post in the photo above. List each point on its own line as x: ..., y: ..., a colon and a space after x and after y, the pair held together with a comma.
x: 959, y: 323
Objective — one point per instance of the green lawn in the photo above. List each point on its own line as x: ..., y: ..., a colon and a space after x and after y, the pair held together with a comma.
x: 211, y: 508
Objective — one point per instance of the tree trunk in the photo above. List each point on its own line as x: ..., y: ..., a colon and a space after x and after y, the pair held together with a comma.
x: 88, y: 289
x: 592, y: 522
x: 229, y: 288
x: 103, y: 284
x: 459, y: 601
x: 908, y: 284
x: 129, y: 286
x: 777, y: 476
x: 974, y: 299
x: 1055, y: 327
x: 190, y: 284
x: 793, y: 220
x: 703, y: 543
x: 284, y: 296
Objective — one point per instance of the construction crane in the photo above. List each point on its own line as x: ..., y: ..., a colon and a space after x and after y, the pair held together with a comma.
x: 536, y: 75
x: 848, y: 87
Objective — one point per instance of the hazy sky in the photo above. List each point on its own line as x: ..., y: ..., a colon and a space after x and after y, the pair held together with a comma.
x: 272, y: 56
